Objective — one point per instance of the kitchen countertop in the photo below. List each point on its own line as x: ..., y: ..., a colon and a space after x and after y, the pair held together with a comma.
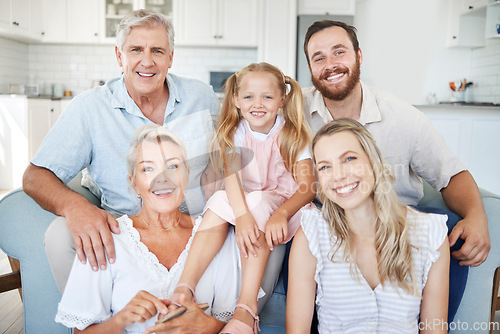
x: 458, y: 106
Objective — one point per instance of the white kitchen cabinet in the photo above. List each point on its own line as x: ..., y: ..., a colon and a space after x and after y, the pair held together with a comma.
x: 232, y: 23
x: 71, y: 21
x: 492, y: 19
x: 115, y: 10
x: 277, y: 45
x: 42, y: 115
x: 327, y: 7
x: 472, y: 134
x: 18, y: 20
x: 472, y: 5
x: 54, y: 20
x: 83, y: 24
x: 13, y: 140
x: 471, y: 22
x: 465, y: 27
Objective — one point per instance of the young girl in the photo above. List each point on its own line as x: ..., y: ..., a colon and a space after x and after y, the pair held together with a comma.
x: 262, y: 140
x: 371, y: 264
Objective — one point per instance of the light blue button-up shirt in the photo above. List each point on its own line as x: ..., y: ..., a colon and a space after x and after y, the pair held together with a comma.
x: 96, y: 131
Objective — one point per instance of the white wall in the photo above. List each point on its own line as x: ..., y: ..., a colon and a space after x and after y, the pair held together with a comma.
x: 14, y: 64
x: 78, y: 66
x: 403, y: 45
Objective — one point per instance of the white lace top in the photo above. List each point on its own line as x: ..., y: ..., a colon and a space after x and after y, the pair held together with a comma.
x: 93, y: 297
x: 346, y: 305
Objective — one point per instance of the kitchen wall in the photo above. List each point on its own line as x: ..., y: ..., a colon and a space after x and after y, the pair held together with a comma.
x: 485, y: 73
x: 78, y: 67
x: 14, y: 63
x: 404, y: 53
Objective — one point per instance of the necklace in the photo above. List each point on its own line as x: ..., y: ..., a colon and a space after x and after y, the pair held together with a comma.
x: 162, y: 228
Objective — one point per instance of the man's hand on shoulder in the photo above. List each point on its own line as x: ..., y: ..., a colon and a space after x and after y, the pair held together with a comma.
x: 477, y: 244
x: 91, y: 229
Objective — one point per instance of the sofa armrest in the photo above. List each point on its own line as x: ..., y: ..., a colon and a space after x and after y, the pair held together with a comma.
x: 475, y: 307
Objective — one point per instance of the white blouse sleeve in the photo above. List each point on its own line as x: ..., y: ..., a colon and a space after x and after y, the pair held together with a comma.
x: 429, y: 233
x: 82, y: 307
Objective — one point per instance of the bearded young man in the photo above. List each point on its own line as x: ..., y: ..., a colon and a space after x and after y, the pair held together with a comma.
x: 406, y: 138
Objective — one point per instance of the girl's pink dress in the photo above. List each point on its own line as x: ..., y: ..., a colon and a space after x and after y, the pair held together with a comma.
x: 266, y: 182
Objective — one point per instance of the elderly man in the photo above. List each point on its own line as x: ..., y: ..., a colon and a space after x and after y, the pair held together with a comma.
x: 95, y: 133
x: 404, y: 135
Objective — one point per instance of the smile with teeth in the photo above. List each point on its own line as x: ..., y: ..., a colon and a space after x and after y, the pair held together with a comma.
x: 145, y: 74
x: 347, y: 189
x: 257, y: 113
x: 163, y: 192
x: 335, y: 77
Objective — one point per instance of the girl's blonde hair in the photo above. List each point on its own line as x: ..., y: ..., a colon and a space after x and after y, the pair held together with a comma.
x: 391, y: 228
x: 295, y: 134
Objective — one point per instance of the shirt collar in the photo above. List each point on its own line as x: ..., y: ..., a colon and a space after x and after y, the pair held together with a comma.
x: 370, y: 112
x: 124, y: 101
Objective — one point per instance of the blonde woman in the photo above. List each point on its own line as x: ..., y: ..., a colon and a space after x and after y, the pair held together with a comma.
x: 368, y: 263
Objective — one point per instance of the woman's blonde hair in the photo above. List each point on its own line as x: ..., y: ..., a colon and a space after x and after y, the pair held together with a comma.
x: 295, y: 134
x: 391, y: 229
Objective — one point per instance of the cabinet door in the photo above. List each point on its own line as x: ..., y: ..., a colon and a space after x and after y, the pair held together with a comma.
x: 471, y: 5
x: 83, y: 21
x: 36, y: 26
x: 195, y: 22
x: 21, y: 14
x: 5, y: 20
x: 39, y: 123
x: 238, y: 23
x: 326, y: 7
x: 54, y: 21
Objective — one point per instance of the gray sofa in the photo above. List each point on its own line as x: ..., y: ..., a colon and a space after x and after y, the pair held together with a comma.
x: 23, y: 224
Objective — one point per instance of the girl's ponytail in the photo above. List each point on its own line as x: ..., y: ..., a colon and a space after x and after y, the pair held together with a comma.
x: 295, y: 136
x: 227, y: 124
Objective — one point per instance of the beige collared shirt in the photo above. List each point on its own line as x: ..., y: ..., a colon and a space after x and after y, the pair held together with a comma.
x: 409, y: 143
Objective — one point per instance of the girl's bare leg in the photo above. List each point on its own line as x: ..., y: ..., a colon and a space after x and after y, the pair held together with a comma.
x: 207, y: 242
x: 252, y: 271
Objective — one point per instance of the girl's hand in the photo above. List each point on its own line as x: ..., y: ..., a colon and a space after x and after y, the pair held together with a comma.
x: 276, y: 229
x: 247, y: 234
x: 142, y: 307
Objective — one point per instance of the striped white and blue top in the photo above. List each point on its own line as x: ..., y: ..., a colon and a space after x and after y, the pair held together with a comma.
x: 348, y: 305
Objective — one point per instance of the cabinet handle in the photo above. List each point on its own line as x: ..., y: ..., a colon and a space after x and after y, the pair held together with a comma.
x: 454, y: 37
x: 471, y: 7
x: 95, y: 34
x: 43, y: 33
x: 51, y: 109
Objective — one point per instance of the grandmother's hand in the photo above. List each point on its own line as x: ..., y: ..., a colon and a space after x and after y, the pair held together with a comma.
x: 141, y: 308
x: 91, y: 229
x: 193, y: 321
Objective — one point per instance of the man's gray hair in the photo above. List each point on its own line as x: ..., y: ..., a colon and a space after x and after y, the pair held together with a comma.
x: 143, y: 18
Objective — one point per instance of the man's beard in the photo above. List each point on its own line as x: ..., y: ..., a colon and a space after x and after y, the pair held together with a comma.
x: 338, y: 94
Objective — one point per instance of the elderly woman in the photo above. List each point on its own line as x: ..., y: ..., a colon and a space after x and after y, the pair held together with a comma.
x: 151, y: 252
